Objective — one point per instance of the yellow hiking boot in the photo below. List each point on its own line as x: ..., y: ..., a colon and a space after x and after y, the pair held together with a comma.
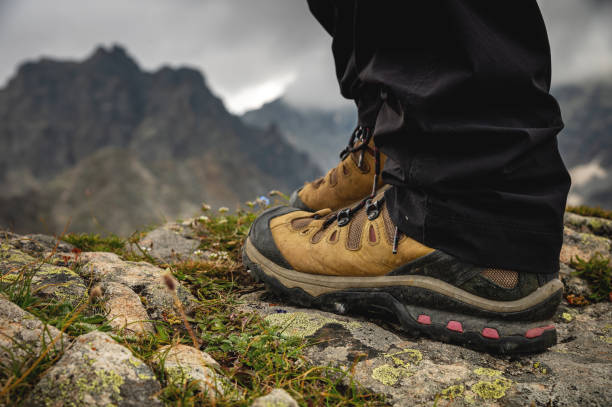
x: 355, y: 260
x: 354, y: 178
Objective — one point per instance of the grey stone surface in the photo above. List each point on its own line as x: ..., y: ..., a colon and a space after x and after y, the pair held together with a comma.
x: 182, y: 363
x: 584, y: 245
x: 276, y: 398
x: 35, y: 244
x: 97, y: 371
x: 414, y: 371
x: 589, y: 224
x: 23, y: 335
x: 47, y: 281
x: 143, y: 278
x: 171, y: 243
x: 125, y: 311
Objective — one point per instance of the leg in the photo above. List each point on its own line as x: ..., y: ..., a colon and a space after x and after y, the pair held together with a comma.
x: 457, y: 92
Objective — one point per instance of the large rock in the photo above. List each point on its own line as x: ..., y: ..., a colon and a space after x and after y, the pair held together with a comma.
x: 97, y: 371
x: 276, y: 398
x: 413, y: 371
x: 589, y: 224
x: 583, y: 245
x: 183, y: 363
x: 144, y: 279
x: 47, y: 281
x: 23, y: 335
x: 171, y: 243
x: 125, y: 311
x: 36, y: 244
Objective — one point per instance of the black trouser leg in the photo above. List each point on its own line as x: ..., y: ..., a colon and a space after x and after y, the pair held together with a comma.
x: 458, y: 94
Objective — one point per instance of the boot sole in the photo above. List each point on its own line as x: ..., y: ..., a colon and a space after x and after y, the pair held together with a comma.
x: 420, y: 304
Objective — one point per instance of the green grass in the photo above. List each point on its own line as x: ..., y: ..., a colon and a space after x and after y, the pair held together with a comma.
x: 597, y: 271
x: 589, y: 211
x: 252, y: 354
x: 95, y: 243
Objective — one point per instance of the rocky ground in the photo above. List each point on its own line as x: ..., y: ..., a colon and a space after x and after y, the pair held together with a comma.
x: 170, y: 317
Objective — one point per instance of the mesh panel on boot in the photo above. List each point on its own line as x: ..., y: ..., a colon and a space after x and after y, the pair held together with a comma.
x: 301, y: 223
x: 389, y: 226
x: 503, y: 278
x: 353, y: 241
x: 316, y: 238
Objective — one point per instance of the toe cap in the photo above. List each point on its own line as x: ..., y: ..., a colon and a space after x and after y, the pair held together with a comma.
x: 261, y: 237
x: 296, y: 202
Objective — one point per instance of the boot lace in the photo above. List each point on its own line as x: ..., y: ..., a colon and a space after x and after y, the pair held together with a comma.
x: 372, y: 208
x: 359, y: 143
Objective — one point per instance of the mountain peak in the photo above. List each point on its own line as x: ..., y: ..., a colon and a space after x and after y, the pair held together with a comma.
x: 115, y: 56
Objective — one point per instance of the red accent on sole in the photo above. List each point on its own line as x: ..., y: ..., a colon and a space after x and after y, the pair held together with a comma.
x: 490, y: 333
x: 455, y: 326
x: 424, y: 319
x: 535, y: 332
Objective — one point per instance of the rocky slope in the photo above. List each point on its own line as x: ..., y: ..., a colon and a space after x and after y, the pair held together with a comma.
x: 322, y: 134
x: 127, y: 357
x: 79, y: 138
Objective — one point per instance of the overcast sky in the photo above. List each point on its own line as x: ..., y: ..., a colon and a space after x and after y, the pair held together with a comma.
x: 251, y: 51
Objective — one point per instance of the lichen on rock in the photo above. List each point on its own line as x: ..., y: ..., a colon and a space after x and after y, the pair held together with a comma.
x: 22, y: 333
x: 184, y: 363
x: 96, y: 371
x: 492, y: 390
x: 144, y: 279
x: 47, y: 280
x: 301, y: 324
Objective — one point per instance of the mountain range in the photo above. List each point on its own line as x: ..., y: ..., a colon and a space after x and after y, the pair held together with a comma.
x: 106, y: 147
x: 103, y: 146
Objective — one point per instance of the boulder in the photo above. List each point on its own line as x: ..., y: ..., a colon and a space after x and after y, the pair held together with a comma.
x: 23, y: 335
x: 182, y: 363
x: 125, y: 311
x: 276, y: 398
x: 97, y: 371
x: 47, y: 280
x: 172, y: 243
x: 143, y: 278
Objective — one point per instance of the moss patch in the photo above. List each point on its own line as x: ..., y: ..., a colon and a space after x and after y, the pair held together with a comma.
x: 389, y: 375
x: 453, y: 392
x: 492, y: 390
x: 589, y: 211
x: 301, y: 324
x: 403, y: 361
x: 485, y: 371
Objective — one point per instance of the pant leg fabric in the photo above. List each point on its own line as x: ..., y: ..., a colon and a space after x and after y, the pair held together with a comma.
x: 457, y: 92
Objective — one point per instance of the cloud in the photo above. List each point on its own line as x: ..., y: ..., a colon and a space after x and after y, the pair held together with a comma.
x: 240, y: 45
x: 250, y: 50
x: 580, y: 34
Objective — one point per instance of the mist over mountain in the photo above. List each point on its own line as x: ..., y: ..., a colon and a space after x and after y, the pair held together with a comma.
x: 108, y: 147
x: 321, y: 133
x: 586, y: 141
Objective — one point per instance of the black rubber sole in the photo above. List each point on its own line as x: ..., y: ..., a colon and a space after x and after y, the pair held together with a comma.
x: 496, y: 334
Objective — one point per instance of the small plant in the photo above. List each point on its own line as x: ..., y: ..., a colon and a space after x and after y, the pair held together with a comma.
x: 88, y: 242
x: 589, y: 211
x: 598, y: 273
